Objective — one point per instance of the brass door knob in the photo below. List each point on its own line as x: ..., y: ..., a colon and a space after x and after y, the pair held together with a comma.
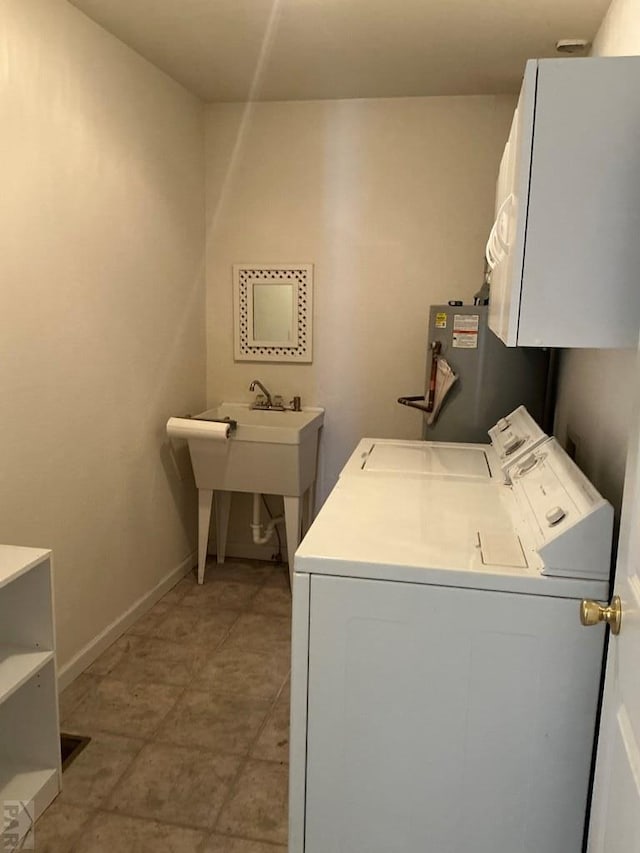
x: 591, y: 613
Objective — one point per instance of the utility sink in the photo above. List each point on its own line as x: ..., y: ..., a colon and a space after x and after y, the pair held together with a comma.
x: 271, y: 452
x: 270, y: 426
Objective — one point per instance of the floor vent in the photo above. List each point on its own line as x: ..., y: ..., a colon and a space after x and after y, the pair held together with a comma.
x: 70, y: 747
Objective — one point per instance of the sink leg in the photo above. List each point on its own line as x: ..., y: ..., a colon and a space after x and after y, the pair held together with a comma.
x: 223, y: 502
x: 308, y: 506
x: 205, y: 499
x: 292, y: 525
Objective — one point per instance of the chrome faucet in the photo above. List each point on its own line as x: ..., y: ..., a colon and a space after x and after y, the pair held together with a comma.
x: 252, y: 387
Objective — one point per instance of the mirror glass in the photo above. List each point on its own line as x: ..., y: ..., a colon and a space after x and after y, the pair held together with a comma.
x: 273, y: 311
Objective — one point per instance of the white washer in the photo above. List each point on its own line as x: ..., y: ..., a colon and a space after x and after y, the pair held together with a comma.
x: 513, y: 438
x: 444, y: 694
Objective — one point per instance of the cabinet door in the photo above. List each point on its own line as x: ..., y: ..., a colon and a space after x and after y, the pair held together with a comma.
x: 447, y: 720
x: 511, y: 215
x: 580, y: 280
x: 497, y: 247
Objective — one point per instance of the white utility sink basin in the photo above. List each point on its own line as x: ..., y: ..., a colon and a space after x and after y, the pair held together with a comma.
x: 271, y: 452
x: 267, y: 425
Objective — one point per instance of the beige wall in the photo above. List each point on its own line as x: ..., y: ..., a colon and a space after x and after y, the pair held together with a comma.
x: 391, y: 200
x: 102, y: 270
x: 101, y: 329
x: 597, y: 387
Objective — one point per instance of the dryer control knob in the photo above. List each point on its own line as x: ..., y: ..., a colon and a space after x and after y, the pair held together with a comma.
x: 555, y: 515
x: 503, y: 424
x: 527, y: 463
x: 512, y: 444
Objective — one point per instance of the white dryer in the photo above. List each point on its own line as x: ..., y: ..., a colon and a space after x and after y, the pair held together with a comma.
x: 513, y: 439
x: 444, y: 693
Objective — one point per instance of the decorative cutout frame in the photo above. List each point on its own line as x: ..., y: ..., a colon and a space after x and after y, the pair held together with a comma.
x: 244, y: 278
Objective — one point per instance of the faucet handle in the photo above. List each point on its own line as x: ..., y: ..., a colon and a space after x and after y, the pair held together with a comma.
x: 277, y: 401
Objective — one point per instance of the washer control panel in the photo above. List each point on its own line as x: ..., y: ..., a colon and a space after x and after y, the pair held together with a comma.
x: 515, y: 436
x: 567, y: 521
x: 554, y: 515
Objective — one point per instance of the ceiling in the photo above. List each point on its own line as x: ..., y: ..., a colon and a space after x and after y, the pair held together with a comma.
x: 236, y: 50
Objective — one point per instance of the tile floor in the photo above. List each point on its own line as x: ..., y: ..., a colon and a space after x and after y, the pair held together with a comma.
x: 189, y: 718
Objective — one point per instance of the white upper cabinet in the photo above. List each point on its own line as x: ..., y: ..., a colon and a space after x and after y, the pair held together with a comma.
x: 565, y: 244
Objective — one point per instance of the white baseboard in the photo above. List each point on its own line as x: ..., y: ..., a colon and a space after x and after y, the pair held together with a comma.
x: 86, y: 656
x: 249, y: 551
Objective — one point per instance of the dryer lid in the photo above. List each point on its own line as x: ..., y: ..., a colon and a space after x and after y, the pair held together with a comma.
x: 445, y: 459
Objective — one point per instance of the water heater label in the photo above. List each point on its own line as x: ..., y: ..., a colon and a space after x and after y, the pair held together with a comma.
x: 465, y: 331
x: 441, y: 320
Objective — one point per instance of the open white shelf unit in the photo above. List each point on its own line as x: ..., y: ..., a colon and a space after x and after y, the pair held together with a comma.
x: 30, y: 771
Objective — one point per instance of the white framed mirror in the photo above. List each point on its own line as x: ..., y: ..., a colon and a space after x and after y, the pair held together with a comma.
x: 273, y: 310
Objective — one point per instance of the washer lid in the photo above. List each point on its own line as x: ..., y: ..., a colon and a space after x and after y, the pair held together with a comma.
x: 423, y: 458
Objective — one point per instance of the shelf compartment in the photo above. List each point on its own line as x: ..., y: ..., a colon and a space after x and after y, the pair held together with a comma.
x: 26, y: 613
x: 16, y: 561
x: 25, y: 792
x: 18, y: 665
x: 30, y: 771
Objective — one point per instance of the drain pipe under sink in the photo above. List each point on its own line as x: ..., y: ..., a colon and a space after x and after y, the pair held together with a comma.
x: 256, y: 525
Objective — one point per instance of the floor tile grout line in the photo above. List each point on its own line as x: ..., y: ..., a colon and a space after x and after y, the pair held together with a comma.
x: 192, y: 683
x: 195, y: 686
x: 98, y: 811
x: 236, y: 837
x: 232, y: 787
x: 269, y: 715
x: 214, y: 649
x: 243, y: 763
x: 76, y: 837
x: 104, y: 806
x: 158, y: 738
x: 76, y: 704
x: 154, y: 739
x: 131, y: 813
x: 94, y: 813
